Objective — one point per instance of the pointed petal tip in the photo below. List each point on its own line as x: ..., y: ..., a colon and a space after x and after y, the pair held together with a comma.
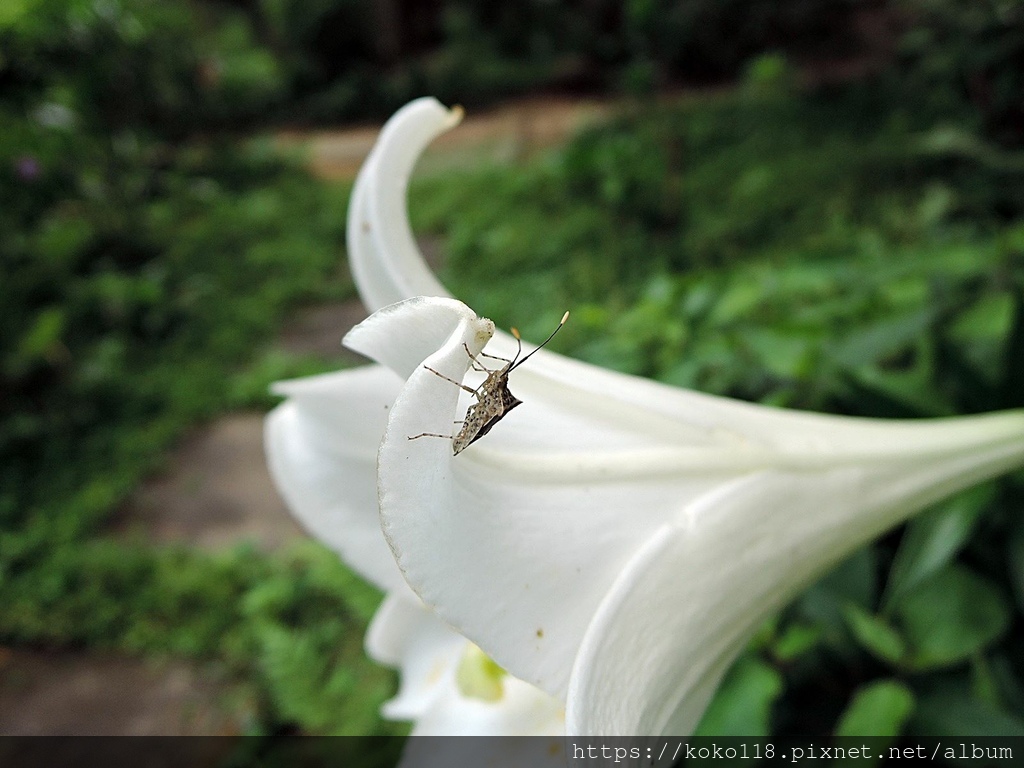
x: 402, y: 335
x: 455, y: 116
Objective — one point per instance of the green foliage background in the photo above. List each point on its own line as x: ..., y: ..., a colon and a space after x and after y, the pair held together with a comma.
x: 857, y: 249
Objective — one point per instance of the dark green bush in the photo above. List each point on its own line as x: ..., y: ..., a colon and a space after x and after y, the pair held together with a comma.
x: 135, y: 275
x: 157, y: 66
x: 141, y: 270
x: 971, y: 50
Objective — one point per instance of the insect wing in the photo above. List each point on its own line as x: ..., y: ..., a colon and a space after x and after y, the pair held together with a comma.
x: 487, y: 425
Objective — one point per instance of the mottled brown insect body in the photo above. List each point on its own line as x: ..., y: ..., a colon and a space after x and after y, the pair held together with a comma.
x: 493, y: 398
x: 494, y: 401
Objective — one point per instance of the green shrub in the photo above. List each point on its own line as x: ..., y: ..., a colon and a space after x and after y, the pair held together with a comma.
x: 157, y: 66
x: 971, y: 50
x: 136, y: 277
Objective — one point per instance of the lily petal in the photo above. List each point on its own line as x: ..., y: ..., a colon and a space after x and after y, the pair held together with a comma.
x: 385, y: 261
x: 686, y: 604
x: 427, y: 323
x: 523, y: 710
x: 321, y: 446
x: 408, y: 636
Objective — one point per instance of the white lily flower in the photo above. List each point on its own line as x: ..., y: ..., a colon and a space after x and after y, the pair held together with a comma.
x: 615, y: 541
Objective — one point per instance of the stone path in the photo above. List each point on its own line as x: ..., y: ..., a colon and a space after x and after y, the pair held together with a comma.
x: 215, y: 490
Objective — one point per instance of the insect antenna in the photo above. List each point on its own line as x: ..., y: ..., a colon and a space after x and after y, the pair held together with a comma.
x: 513, y: 365
x: 519, y: 349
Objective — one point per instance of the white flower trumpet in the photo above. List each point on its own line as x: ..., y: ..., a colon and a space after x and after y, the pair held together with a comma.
x: 614, y: 541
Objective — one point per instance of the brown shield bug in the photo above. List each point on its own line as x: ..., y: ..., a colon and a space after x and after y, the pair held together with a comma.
x: 493, y: 398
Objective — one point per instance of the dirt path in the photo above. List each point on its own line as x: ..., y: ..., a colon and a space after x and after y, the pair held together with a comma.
x: 215, y: 490
x: 93, y: 694
x: 504, y: 134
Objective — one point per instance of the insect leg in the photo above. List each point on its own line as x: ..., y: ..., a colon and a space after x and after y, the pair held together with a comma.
x: 483, y: 354
x: 458, y: 384
x: 477, y: 365
x: 495, y: 357
x: 429, y: 434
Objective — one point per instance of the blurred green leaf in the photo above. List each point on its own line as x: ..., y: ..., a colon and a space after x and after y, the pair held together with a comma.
x: 875, y: 635
x: 787, y: 355
x: 944, y: 714
x: 882, y: 339
x: 951, y: 140
x: 900, y: 394
x: 984, y: 686
x: 742, y: 706
x: 795, y: 641
x: 44, y: 334
x: 879, y: 709
x: 991, y: 318
x: 852, y: 582
x: 12, y: 11
x: 932, y: 539
x: 996, y: 671
x: 737, y: 301
x: 950, y: 616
